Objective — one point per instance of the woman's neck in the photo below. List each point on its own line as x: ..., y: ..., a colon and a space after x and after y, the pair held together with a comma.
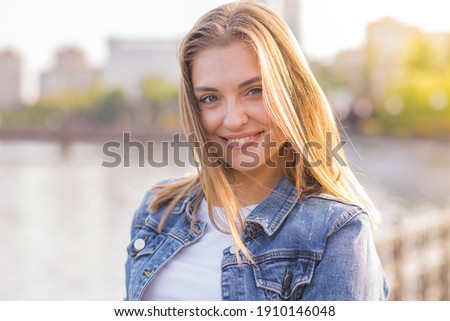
x: 253, y: 187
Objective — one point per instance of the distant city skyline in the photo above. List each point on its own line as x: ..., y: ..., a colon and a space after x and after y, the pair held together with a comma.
x: 37, y: 30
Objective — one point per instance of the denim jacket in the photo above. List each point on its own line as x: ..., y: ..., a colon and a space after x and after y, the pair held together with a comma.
x: 317, y: 248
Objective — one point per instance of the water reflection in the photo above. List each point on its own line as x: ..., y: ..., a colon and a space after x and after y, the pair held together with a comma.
x: 65, y: 219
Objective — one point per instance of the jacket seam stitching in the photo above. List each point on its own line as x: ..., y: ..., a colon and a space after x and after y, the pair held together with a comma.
x: 344, y: 219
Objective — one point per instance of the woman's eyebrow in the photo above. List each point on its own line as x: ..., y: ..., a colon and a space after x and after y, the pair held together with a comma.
x: 205, y: 88
x: 250, y: 81
x: 243, y: 84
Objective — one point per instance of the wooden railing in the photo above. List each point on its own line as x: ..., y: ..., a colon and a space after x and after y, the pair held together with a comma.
x: 415, y: 254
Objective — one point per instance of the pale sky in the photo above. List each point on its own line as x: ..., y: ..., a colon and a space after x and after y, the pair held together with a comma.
x: 37, y: 28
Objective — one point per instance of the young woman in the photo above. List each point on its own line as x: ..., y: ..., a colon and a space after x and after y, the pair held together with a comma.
x: 274, y: 212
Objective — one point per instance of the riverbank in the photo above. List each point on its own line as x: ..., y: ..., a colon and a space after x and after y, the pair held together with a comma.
x: 85, y: 134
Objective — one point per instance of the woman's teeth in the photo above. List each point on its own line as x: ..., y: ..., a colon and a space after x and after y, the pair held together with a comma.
x: 240, y: 140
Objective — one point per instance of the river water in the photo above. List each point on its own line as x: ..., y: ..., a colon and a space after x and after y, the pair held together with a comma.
x: 64, y: 218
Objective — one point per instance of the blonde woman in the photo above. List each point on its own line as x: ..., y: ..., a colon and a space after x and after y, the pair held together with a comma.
x: 274, y: 212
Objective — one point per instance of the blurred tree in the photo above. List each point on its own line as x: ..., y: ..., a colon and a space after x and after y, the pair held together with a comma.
x: 160, y: 96
x: 419, y: 55
x: 419, y: 104
x: 96, y: 106
x: 110, y: 109
x: 74, y: 100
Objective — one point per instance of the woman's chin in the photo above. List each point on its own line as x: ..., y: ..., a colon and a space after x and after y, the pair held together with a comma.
x: 246, y: 165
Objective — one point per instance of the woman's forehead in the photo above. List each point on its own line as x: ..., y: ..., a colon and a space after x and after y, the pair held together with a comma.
x: 235, y: 62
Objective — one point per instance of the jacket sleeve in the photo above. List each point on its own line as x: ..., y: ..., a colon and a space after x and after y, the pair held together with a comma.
x: 350, y: 268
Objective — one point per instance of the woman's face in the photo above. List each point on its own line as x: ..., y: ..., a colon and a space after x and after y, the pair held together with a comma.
x: 228, y: 89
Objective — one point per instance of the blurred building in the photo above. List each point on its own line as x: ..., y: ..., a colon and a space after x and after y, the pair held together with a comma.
x: 357, y: 80
x: 348, y: 67
x: 70, y: 73
x: 10, y: 66
x: 347, y: 80
x: 132, y: 61
x: 386, y: 42
x: 389, y: 43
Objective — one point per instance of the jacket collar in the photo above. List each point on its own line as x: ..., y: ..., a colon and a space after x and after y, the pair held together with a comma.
x: 271, y: 212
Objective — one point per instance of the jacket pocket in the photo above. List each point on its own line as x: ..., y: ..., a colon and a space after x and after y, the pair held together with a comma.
x: 284, y: 278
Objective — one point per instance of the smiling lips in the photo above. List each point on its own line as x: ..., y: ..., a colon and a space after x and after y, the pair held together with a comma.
x: 242, y: 140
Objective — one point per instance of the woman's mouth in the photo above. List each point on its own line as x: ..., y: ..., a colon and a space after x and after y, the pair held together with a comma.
x: 243, y: 140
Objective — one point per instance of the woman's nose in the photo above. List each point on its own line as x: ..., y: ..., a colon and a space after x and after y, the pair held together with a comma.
x: 235, y: 116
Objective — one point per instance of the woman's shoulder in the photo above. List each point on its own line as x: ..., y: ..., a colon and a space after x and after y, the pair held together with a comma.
x: 329, y: 213
x: 143, y: 211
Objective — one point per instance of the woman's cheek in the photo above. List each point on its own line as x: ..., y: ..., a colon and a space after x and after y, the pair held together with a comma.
x: 210, y: 121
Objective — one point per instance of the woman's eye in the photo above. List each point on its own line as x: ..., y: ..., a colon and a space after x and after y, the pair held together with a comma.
x: 255, y: 91
x: 209, y: 99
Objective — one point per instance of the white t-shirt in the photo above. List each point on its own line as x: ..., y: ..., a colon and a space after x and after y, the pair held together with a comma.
x: 194, y: 273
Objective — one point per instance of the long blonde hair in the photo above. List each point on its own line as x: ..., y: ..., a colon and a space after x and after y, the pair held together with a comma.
x: 293, y: 100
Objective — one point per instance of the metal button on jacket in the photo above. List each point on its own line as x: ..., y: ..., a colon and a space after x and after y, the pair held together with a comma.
x: 139, y: 244
x: 287, y: 279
